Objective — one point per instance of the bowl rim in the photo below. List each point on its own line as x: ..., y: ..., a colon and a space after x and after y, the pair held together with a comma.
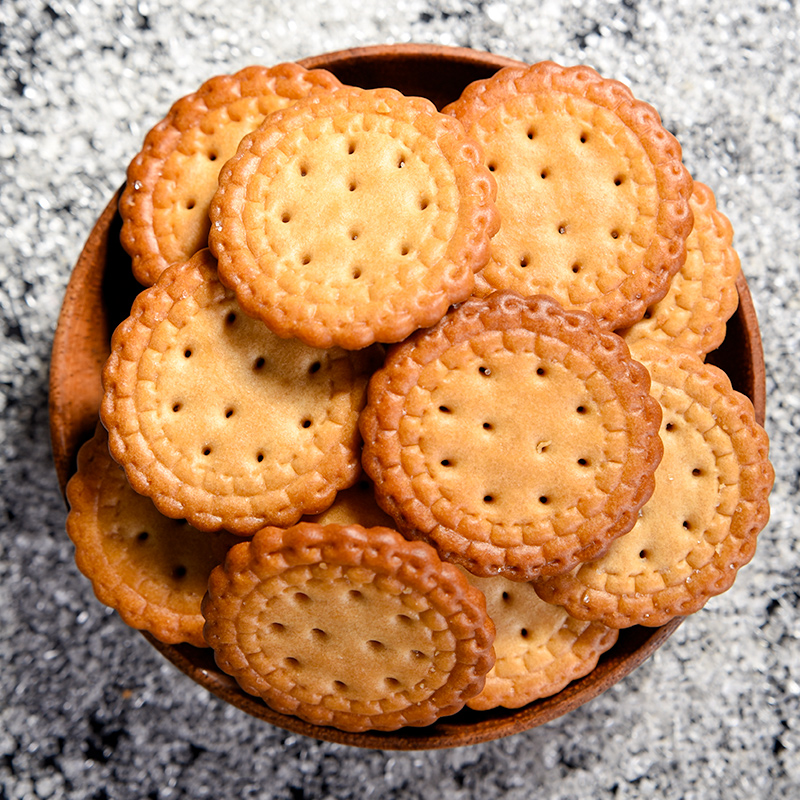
x: 69, y: 417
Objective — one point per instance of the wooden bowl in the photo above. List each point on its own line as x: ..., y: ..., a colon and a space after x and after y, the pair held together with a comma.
x: 99, y: 296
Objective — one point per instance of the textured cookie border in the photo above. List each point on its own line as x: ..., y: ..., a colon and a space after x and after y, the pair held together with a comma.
x: 667, y: 252
x: 516, y: 689
x: 287, y: 80
x: 397, y: 493
x: 337, y: 469
x: 389, y: 557
x: 711, y: 388
x: 466, y: 252
x: 84, y: 497
x: 706, y: 326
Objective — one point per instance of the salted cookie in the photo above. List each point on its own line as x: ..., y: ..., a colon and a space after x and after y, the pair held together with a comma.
x: 164, y: 205
x: 349, y: 627
x: 539, y: 648
x: 702, y: 296
x: 352, y: 217
x: 700, y: 525
x: 591, y: 189
x: 218, y: 420
x: 153, y: 570
x: 517, y: 437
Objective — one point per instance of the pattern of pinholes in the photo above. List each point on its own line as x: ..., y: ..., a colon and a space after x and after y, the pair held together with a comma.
x: 434, y: 629
x: 151, y: 569
x: 714, y: 497
x: 187, y: 387
x: 164, y: 205
x: 702, y: 295
x: 610, y: 248
x: 541, y: 658
x: 413, y: 485
x: 426, y: 196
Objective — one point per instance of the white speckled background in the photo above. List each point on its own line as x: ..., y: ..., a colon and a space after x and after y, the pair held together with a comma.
x: 87, y: 708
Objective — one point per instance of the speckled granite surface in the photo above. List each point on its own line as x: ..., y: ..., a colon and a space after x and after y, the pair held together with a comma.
x: 87, y: 708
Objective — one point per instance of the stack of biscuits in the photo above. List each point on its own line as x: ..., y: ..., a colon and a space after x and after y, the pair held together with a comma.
x: 413, y: 412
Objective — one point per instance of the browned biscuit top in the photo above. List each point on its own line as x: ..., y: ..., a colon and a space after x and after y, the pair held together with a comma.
x: 153, y: 570
x: 346, y: 626
x: 592, y: 193
x: 518, y: 437
x: 352, y: 217
x: 700, y: 525
x: 164, y: 205
x: 702, y: 296
x: 222, y: 422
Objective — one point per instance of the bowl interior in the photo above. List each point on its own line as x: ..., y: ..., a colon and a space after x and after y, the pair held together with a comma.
x: 99, y: 296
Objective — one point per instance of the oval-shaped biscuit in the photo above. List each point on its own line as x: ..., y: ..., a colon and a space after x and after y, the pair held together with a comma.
x: 164, y: 206
x: 350, y: 627
x: 353, y: 217
x: 153, y: 570
x: 700, y: 525
x: 517, y: 437
x: 592, y: 193
x: 222, y: 422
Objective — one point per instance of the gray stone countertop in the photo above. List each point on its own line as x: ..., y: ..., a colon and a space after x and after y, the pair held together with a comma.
x: 87, y: 708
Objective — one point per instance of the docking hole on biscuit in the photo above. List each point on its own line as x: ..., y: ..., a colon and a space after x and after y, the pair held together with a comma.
x: 524, y: 261
x: 179, y: 572
x: 259, y: 457
x: 423, y: 203
x: 485, y: 371
x: 354, y: 594
x: 618, y: 181
x: 206, y: 451
x: 615, y: 234
x: 176, y: 407
x: 306, y: 423
x: 190, y: 204
x: 258, y: 364
x: 576, y: 268
x: 230, y: 318
x: 487, y: 426
x: 143, y: 536
x: 228, y: 413
x: 375, y: 645
x: 319, y: 634
x: 315, y: 367
x: 187, y: 353
x: 356, y: 273
x: 584, y: 137
x: 562, y: 229
x: 531, y: 133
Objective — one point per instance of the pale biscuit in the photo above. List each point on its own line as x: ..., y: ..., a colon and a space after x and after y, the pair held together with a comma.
x: 539, y: 647
x: 591, y: 190
x: 702, y: 296
x: 164, y: 205
x: 218, y: 420
x: 349, y: 627
x: 153, y: 570
x: 701, y: 524
x: 517, y: 437
x: 352, y: 217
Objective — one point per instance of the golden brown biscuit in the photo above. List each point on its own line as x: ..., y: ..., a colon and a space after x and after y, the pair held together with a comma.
x: 164, y: 205
x: 539, y: 648
x: 702, y: 296
x: 352, y: 217
x: 700, y: 525
x: 517, y: 437
x: 151, y: 569
x: 218, y: 420
x: 592, y: 193
x: 350, y: 627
